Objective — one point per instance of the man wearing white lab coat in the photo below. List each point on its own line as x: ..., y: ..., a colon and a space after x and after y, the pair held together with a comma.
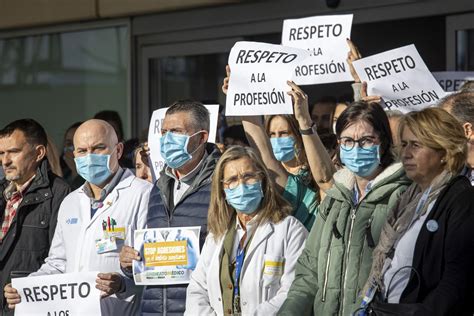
x: 97, y: 219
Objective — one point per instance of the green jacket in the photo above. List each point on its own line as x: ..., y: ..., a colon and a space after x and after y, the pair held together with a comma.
x: 337, y: 258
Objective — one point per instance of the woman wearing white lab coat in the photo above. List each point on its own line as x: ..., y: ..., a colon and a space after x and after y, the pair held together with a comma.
x: 248, y: 260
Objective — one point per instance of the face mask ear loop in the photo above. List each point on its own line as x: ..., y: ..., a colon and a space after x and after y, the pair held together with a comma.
x: 187, y: 142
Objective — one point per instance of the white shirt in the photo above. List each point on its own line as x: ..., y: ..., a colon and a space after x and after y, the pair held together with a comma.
x: 403, y: 257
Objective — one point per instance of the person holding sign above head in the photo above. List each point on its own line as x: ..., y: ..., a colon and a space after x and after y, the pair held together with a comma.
x: 336, y: 261
x: 181, y: 195
x: 248, y: 260
x: 292, y: 150
x: 423, y: 262
x: 94, y: 220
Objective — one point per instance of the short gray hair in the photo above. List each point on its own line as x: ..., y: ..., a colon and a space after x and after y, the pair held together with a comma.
x: 199, y: 113
x: 460, y: 105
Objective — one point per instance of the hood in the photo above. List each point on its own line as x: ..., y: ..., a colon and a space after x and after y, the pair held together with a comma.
x: 384, y: 184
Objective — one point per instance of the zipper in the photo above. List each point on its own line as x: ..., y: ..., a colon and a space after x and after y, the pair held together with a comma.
x: 326, y: 274
x: 344, y: 276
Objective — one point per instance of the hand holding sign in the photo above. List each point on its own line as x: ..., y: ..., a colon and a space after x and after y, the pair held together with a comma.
x: 300, y: 106
x: 352, y: 56
x: 259, y: 73
x: 12, y: 296
x: 127, y: 255
x: 402, y: 79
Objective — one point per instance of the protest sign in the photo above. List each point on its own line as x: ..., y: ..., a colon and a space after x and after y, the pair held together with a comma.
x: 258, y: 81
x: 325, y: 38
x: 154, y: 134
x: 169, y: 255
x: 66, y: 294
x: 452, y: 81
x: 401, y: 78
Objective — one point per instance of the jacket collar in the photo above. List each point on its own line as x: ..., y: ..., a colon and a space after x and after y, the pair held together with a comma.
x: 345, y: 180
x: 202, y: 177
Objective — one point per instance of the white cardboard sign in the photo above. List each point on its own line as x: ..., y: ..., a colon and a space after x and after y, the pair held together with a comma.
x: 259, y: 75
x: 401, y: 78
x: 68, y: 294
x: 154, y: 135
x: 325, y: 38
x: 452, y: 81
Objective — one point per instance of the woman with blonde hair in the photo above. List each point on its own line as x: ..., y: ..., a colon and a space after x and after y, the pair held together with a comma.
x: 248, y: 260
x: 423, y: 261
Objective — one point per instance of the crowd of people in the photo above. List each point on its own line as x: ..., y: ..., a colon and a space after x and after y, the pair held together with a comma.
x: 359, y: 211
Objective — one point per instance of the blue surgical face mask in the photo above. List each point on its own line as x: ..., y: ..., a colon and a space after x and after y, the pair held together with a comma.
x: 361, y: 161
x: 283, y: 148
x: 174, y: 149
x: 94, y: 168
x: 245, y: 198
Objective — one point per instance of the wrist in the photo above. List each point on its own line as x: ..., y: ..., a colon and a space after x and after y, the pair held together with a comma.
x: 305, y: 124
x: 310, y: 130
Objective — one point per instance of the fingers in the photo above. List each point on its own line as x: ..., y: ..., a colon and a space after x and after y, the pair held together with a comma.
x: 227, y: 70
x: 296, y: 89
x: 12, y: 296
x: 109, y: 283
x: 363, y: 91
x: 354, y: 51
x: 127, y: 255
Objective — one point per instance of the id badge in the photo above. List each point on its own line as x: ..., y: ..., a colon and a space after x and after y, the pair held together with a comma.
x: 105, y: 245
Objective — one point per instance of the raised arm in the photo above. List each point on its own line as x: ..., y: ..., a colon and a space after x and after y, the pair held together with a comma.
x: 319, y: 160
x: 258, y: 139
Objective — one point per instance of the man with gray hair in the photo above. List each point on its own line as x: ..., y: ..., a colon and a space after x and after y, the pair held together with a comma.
x: 461, y: 106
x: 181, y: 195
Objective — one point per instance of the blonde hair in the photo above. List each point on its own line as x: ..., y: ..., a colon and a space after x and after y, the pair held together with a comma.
x: 273, y: 207
x: 437, y: 129
x: 53, y: 157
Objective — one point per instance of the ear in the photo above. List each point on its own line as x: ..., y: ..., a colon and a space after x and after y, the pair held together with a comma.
x: 119, y: 150
x: 467, y: 130
x: 204, y: 137
x: 40, y: 152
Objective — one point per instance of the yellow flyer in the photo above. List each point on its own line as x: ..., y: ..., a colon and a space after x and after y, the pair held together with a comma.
x: 168, y: 255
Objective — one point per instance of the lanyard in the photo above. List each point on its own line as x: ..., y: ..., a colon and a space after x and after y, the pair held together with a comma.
x: 239, y: 261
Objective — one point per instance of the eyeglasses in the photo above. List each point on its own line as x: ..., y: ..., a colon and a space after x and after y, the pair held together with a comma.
x: 247, y: 178
x: 365, y: 142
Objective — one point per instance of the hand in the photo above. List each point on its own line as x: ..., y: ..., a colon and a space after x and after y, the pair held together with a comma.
x: 352, y: 55
x: 300, y: 106
x: 192, y: 252
x: 108, y: 283
x: 127, y: 255
x: 12, y: 296
x: 370, y: 98
x: 225, y: 84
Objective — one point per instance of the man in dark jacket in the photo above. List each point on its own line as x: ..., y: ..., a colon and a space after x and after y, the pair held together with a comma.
x: 181, y: 195
x: 29, y: 201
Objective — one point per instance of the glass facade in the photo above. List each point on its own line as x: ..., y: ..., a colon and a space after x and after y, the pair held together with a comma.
x: 62, y: 78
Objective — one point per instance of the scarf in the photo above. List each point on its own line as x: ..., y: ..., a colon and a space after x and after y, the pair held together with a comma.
x: 398, y: 221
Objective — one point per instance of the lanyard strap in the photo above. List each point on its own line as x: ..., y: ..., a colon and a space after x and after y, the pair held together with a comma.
x: 239, y: 261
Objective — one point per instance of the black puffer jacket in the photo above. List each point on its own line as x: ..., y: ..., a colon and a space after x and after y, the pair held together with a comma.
x: 27, y: 242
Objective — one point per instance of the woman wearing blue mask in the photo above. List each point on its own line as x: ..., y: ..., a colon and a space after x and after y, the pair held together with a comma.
x: 336, y: 261
x: 294, y: 153
x: 248, y: 260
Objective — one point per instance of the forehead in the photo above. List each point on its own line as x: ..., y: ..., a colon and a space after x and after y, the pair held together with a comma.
x: 91, y: 136
x: 359, y: 129
x: 234, y: 167
x: 279, y: 123
x: 178, y: 120
x: 408, y: 135
x: 17, y: 138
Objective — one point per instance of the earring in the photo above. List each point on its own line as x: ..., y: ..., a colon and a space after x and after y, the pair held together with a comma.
x: 443, y: 161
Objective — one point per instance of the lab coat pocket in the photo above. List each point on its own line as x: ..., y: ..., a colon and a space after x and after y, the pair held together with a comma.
x: 272, y: 271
